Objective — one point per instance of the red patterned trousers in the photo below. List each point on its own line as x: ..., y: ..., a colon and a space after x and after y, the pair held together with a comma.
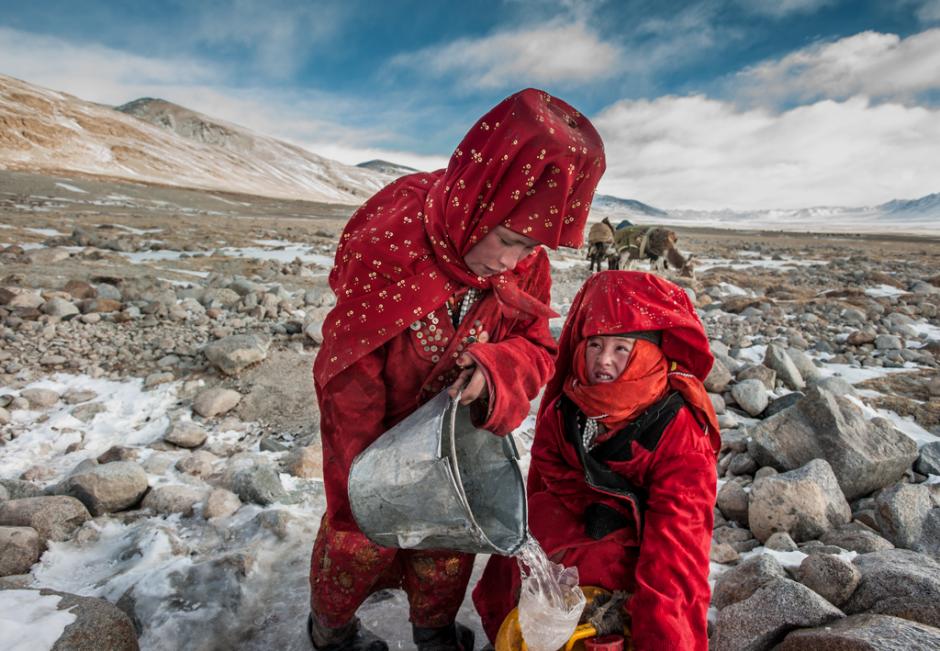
x: 346, y: 567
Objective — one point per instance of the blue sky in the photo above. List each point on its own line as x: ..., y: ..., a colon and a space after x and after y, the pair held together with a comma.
x: 723, y: 103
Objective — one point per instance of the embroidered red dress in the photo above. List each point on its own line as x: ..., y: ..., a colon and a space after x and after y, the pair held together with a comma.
x: 661, y: 555
x: 531, y: 164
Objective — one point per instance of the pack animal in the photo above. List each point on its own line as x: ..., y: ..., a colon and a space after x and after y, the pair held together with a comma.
x: 601, y: 245
x: 653, y: 243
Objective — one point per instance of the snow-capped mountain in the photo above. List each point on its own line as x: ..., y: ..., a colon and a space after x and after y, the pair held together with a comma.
x: 610, y: 204
x: 387, y: 167
x: 159, y: 142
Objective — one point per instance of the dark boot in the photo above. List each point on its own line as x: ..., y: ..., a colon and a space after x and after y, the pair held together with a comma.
x: 351, y: 637
x: 455, y: 637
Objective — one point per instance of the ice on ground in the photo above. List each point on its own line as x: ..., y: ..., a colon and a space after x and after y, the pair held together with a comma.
x: 704, y: 264
x: 31, y: 621
x: 138, y: 231
x: 130, y: 416
x: 752, y: 354
x: 903, y: 424
x: 922, y: 328
x: 791, y: 560
x: 884, y: 291
x: 727, y: 289
x: 48, y: 232
x: 70, y: 188
x: 857, y: 374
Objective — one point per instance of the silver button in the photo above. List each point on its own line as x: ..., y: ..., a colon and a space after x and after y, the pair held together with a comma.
x: 416, y: 325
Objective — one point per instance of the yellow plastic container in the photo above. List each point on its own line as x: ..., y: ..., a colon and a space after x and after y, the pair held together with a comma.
x: 509, y: 637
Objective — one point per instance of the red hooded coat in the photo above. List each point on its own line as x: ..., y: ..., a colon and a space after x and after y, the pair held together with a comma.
x: 531, y: 164
x: 662, y: 556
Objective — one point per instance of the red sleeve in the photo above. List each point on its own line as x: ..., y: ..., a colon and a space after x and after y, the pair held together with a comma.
x: 352, y: 414
x: 518, y: 366
x: 670, y: 605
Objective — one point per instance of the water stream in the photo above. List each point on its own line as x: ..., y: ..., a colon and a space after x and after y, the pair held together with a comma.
x: 550, y: 601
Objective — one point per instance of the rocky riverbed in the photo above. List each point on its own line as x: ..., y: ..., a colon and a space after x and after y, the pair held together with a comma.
x: 160, y: 471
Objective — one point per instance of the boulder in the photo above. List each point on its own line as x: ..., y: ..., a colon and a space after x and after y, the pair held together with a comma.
x: 907, y: 517
x: 186, y: 434
x: 59, y: 307
x: 804, y: 364
x: 764, y: 618
x: 178, y: 498
x: 215, y: 401
x: 93, y: 624
x: 40, y: 398
x: 751, y: 396
x: 198, y: 464
x: 777, y: 358
x: 733, y: 502
x: 253, y: 479
x: 718, y: 378
x: 232, y: 354
x: 830, y: 576
x: 928, y: 462
x: 783, y: 402
x: 723, y: 553
x: 865, y: 454
x: 898, y: 582
x: 781, y: 542
x: 54, y: 517
x: 864, y: 633
x: 18, y: 489
x: 220, y: 503
x: 306, y: 462
x: 758, y: 372
x: 107, y: 488
x: 20, y: 547
x: 805, y: 503
x: 856, y: 537
x: 740, y: 582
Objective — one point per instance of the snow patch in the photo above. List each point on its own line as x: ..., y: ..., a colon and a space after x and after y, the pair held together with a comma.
x: 70, y: 188
x: 31, y: 621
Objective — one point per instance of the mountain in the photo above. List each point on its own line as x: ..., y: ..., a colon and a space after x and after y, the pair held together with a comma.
x: 928, y: 205
x: 386, y: 167
x: 615, y: 205
x: 155, y: 141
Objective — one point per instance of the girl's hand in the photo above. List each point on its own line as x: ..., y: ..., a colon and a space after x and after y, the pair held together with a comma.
x: 472, y: 380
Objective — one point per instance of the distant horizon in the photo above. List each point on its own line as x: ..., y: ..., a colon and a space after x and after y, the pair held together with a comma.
x: 722, y: 104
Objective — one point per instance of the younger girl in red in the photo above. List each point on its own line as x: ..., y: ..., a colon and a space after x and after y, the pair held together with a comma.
x: 622, y: 480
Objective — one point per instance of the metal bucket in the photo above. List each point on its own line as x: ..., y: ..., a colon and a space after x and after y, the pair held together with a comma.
x: 434, y: 481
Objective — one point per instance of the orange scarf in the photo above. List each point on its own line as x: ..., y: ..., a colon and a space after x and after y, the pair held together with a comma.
x: 616, y: 403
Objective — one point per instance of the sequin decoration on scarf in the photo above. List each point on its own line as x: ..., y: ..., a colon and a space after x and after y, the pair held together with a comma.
x: 530, y: 164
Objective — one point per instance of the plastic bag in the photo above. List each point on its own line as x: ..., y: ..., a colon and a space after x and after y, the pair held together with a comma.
x: 550, y: 601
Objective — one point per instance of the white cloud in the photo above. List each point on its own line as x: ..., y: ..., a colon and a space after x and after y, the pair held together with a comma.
x: 549, y: 53
x: 781, y: 8
x: 872, y: 64
x: 695, y: 152
x: 928, y: 11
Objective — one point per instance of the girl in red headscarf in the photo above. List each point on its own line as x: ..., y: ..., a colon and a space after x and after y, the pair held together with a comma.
x: 622, y: 478
x: 441, y: 282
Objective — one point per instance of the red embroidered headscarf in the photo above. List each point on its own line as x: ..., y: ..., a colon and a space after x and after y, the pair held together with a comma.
x: 621, y: 302
x: 530, y: 164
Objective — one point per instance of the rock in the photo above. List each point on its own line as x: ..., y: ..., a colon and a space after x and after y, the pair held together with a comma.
x: 804, y: 364
x: 902, y: 511
x: 47, y: 255
x: 758, y: 372
x: 306, y: 462
x: 118, y: 453
x: 865, y: 455
x: 95, y: 624
x: 101, y: 306
x: 215, y: 401
x: 742, y: 464
x: 718, y: 403
x: 783, y: 402
x: 763, y: 619
x: 186, y: 434
x: 20, y: 547
x: 178, y: 498
x: 778, y: 359
x: 112, y: 487
x: 156, y: 379
x: 864, y: 633
x: 751, y: 396
x: 198, y: 464
x: 718, y: 378
x: 831, y: 577
x: 928, y: 462
x: 314, y: 332
x: 54, y: 517
x: 40, y: 398
x: 18, y: 489
x: 804, y: 503
x: 5, y: 417
x: 87, y: 412
x: 253, y: 479
x: 898, y: 582
x: 888, y: 342
x: 861, y: 337
x: 723, y: 553
x: 107, y: 290
x: 232, y: 354
x: 739, y: 583
x: 781, y: 542
x: 76, y: 396
x: 733, y: 502
x: 79, y: 289
x: 220, y: 503
x: 857, y: 538
x: 59, y: 307
x: 25, y: 299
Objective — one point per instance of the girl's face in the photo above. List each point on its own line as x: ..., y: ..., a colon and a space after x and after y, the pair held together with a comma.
x: 606, y: 357
x: 500, y: 250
